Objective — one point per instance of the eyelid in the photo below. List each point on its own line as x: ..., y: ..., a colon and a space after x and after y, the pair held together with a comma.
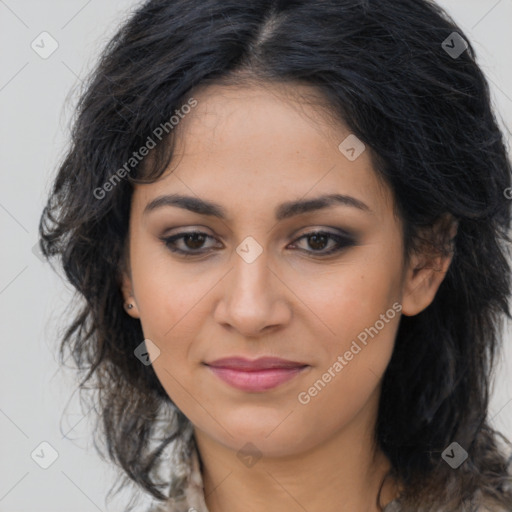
x: 324, y: 229
x: 180, y: 235
x: 343, y: 239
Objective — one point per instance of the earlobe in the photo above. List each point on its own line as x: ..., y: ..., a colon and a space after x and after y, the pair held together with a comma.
x: 420, y: 289
x: 130, y: 304
x: 426, y: 272
x: 131, y: 309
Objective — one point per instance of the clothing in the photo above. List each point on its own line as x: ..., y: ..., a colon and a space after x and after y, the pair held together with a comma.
x: 194, y: 494
x: 193, y: 499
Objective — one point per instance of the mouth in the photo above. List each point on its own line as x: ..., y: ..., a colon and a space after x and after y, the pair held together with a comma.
x: 255, y: 375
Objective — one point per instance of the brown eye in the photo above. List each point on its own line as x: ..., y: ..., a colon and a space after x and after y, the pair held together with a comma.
x: 318, y: 241
x: 188, y: 243
x: 194, y: 240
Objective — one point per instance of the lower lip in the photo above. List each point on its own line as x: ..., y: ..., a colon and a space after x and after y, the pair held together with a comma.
x: 256, y: 381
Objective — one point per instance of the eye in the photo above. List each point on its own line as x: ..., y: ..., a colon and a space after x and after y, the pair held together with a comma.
x: 318, y: 241
x: 188, y: 243
x: 192, y: 243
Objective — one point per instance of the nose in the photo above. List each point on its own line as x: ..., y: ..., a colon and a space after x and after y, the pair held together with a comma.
x: 253, y: 299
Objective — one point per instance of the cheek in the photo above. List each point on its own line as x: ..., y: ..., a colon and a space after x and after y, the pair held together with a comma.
x: 336, y: 391
x: 172, y: 316
x: 359, y: 310
x: 167, y: 293
x: 351, y: 297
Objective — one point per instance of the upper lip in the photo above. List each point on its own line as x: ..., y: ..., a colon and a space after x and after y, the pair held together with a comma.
x: 262, y: 363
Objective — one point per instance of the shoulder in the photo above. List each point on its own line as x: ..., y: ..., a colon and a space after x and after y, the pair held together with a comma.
x: 192, y: 499
x: 479, y: 503
x: 483, y: 504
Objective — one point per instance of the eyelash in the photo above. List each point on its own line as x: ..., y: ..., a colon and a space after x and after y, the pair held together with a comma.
x: 342, y: 242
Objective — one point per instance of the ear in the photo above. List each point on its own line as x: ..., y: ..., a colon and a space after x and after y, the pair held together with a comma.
x: 127, y: 290
x: 428, y: 265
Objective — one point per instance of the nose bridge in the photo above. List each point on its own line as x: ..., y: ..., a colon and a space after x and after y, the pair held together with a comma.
x: 250, y: 281
x: 252, y: 298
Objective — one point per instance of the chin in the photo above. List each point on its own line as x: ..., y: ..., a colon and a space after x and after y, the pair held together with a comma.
x: 271, y: 435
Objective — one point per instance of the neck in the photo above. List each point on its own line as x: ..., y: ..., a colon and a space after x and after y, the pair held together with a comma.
x: 344, y: 473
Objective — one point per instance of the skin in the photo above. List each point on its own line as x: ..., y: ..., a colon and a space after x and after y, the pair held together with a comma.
x: 250, y: 149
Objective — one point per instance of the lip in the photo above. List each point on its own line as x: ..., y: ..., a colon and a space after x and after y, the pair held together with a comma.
x: 256, y: 375
x: 262, y: 363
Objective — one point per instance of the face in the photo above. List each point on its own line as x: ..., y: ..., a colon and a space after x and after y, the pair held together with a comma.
x: 258, y: 263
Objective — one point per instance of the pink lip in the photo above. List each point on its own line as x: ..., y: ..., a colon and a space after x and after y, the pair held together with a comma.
x: 257, y: 375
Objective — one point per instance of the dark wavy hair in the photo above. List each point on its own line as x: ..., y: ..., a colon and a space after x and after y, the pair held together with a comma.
x: 383, y: 70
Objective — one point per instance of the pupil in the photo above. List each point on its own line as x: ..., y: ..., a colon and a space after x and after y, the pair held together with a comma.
x: 197, y: 238
x: 315, y: 239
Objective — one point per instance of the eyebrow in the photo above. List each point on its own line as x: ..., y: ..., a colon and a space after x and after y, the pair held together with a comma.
x: 283, y: 211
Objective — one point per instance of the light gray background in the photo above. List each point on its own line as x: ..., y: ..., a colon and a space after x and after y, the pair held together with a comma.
x: 36, y: 103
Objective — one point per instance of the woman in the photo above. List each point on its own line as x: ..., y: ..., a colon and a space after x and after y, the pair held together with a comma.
x: 288, y: 222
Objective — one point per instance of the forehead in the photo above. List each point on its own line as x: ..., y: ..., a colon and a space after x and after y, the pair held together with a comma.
x: 244, y: 143
x: 234, y: 114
